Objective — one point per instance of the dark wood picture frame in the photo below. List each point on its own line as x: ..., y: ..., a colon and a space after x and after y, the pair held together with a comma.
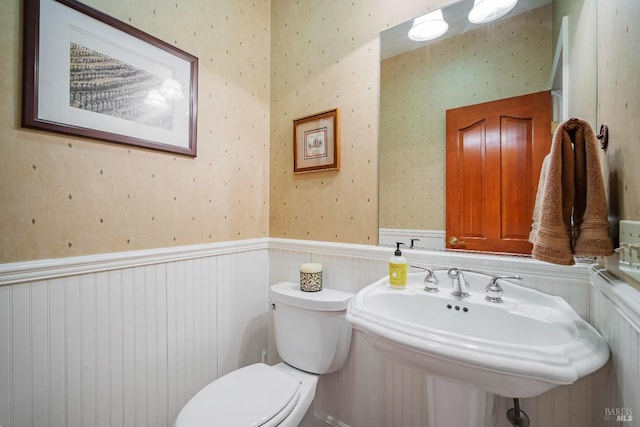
x: 316, y: 142
x: 91, y: 75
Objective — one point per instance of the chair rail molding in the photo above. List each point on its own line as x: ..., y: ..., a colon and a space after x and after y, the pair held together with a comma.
x: 27, y: 271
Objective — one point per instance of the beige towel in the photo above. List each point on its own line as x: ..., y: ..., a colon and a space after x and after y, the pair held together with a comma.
x: 570, y: 213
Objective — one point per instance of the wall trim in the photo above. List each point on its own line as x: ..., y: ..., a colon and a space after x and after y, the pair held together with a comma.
x: 436, y: 257
x: 27, y: 271
x: 330, y: 248
x: 624, y: 297
x: 431, y: 239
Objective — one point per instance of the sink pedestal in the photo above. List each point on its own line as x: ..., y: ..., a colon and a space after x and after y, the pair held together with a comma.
x: 453, y: 403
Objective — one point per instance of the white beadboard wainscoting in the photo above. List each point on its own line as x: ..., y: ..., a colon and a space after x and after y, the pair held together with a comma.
x: 126, y: 339
x: 615, y: 313
x: 375, y: 391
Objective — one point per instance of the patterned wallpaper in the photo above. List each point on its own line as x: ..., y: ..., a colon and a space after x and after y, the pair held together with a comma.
x: 263, y: 63
x: 490, y: 63
x: 619, y: 104
x: 65, y: 196
x: 324, y: 55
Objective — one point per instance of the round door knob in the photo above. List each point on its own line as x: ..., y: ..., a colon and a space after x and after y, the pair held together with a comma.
x: 453, y: 241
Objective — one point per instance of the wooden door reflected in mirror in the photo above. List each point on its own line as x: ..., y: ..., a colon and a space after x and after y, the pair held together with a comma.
x: 493, y: 158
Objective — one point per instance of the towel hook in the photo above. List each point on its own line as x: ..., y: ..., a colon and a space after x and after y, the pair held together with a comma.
x: 603, y: 137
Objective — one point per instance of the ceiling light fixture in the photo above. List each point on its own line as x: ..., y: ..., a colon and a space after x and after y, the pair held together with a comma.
x: 428, y: 27
x: 484, y: 11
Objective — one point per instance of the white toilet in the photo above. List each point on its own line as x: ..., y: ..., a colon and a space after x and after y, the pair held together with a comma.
x: 312, y: 337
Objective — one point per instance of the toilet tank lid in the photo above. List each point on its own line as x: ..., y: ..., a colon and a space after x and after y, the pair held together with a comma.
x: 250, y: 396
x: 324, y: 300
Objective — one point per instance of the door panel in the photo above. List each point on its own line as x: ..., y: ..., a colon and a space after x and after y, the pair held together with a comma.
x: 471, y: 178
x: 516, y: 148
x: 494, y: 154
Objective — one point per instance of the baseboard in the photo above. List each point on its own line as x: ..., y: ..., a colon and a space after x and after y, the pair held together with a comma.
x: 323, y: 419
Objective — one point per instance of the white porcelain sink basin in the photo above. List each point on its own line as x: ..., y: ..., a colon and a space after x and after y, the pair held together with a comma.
x: 522, y: 347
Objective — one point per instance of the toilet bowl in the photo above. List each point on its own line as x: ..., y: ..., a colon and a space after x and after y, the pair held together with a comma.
x: 256, y: 395
x: 312, y: 338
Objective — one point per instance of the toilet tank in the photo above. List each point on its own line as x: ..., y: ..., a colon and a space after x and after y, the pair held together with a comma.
x: 311, y: 331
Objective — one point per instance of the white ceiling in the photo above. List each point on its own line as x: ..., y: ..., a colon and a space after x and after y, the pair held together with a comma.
x: 394, y: 41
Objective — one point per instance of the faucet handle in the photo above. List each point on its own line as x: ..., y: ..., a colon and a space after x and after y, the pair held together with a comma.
x: 494, y: 290
x: 430, y: 280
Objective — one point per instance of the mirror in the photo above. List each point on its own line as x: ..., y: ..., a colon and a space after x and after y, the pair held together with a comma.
x: 526, y: 51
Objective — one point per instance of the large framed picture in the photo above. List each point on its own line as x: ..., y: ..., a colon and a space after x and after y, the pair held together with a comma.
x: 316, y: 142
x: 91, y: 75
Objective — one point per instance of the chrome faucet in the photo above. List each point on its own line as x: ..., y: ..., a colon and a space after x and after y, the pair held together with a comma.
x: 430, y: 280
x: 494, y: 290
x: 459, y: 283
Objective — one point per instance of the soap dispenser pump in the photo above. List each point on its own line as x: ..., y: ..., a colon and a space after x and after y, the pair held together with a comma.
x: 398, y: 269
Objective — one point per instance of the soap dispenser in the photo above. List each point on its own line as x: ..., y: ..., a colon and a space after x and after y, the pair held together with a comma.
x: 398, y: 269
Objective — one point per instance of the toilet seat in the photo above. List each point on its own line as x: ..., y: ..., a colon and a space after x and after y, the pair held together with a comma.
x: 256, y: 395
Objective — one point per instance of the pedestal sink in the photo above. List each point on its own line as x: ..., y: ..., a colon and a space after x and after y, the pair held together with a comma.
x: 521, y: 347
